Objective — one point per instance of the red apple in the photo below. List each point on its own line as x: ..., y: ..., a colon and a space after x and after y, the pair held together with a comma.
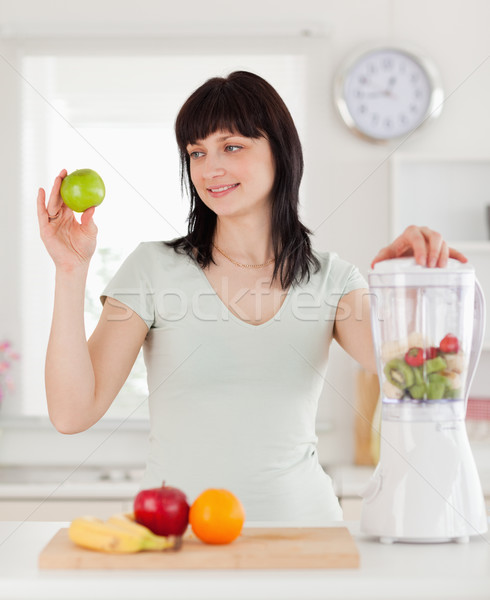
x: 163, y: 510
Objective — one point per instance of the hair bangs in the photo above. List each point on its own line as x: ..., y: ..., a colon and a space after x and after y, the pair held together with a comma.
x: 223, y: 107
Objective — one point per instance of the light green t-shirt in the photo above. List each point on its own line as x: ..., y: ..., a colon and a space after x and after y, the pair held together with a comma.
x: 232, y: 404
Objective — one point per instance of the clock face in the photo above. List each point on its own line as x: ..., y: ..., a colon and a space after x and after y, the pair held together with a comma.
x: 387, y: 94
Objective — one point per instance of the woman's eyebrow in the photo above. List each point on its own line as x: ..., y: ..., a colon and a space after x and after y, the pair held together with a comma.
x: 222, y: 138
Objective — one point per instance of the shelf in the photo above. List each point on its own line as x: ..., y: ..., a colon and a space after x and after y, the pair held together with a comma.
x: 449, y: 196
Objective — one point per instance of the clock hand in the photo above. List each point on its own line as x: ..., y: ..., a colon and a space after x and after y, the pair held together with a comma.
x: 372, y: 85
x: 387, y: 93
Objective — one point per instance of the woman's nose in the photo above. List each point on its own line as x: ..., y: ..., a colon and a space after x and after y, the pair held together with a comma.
x: 213, y: 167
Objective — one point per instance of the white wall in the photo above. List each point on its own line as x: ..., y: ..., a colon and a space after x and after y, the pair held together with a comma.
x: 349, y: 202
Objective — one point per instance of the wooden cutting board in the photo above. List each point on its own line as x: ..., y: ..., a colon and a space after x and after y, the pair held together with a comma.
x: 256, y: 548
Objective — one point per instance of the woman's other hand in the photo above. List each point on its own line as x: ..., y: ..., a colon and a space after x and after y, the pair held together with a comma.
x: 70, y: 244
x: 426, y: 245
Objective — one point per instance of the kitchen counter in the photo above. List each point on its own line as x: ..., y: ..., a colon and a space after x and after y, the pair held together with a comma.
x: 399, y: 571
x: 69, y: 491
x: 67, y: 483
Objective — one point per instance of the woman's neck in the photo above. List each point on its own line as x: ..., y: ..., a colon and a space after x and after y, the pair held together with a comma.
x: 248, y: 241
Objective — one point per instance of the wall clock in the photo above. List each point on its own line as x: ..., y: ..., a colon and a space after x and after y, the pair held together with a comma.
x: 385, y: 93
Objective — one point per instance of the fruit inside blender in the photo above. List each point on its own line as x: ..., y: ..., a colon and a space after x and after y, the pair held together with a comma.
x: 417, y: 369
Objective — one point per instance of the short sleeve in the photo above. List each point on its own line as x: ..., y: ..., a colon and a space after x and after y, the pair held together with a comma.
x: 132, y: 285
x: 355, y: 281
x: 343, y: 276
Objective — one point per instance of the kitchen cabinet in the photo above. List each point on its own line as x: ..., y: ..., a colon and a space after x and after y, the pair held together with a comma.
x: 55, y: 510
x: 51, y: 494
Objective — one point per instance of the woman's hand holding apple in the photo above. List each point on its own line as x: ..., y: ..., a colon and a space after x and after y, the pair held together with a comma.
x: 70, y: 244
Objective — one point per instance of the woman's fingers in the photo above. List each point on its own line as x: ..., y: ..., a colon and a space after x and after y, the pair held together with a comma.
x: 433, y: 247
x: 383, y: 254
x: 42, y: 215
x: 453, y: 253
x: 87, y: 215
x: 55, y: 202
x: 87, y: 221
x: 443, y: 255
x: 416, y: 241
x: 410, y: 242
x: 427, y: 246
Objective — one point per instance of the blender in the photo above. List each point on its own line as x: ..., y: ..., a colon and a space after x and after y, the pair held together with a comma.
x: 428, y: 326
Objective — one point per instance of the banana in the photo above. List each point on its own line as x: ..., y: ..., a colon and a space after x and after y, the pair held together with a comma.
x: 119, y: 536
x: 397, y: 348
x: 455, y: 362
x: 393, y: 349
x: 392, y: 391
x: 127, y: 522
x: 417, y: 339
x: 453, y: 379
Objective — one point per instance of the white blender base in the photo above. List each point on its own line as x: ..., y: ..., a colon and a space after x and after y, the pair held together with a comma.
x: 426, y: 488
x: 389, y: 540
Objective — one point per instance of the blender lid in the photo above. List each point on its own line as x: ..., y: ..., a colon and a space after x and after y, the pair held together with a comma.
x: 408, y: 264
x: 405, y: 271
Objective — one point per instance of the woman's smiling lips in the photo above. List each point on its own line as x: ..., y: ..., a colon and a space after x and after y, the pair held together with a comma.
x: 222, y: 190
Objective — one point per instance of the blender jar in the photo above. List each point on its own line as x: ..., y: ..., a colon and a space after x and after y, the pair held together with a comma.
x: 422, y: 321
x: 428, y: 326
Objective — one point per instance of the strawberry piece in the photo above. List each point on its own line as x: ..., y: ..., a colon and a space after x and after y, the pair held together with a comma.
x: 414, y: 357
x: 449, y: 344
x: 431, y: 352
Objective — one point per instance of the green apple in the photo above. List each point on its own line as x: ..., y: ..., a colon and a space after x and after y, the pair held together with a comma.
x: 82, y: 189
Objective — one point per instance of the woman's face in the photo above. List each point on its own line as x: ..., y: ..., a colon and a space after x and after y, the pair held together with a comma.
x: 233, y: 174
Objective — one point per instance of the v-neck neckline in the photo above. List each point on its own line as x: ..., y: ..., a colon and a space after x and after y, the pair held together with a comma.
x: 274, y: 318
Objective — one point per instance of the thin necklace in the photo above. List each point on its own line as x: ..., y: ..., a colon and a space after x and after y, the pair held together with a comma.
x: 240, y: 264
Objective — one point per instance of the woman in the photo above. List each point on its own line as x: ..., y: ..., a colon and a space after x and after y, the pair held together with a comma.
x: 236, y: 318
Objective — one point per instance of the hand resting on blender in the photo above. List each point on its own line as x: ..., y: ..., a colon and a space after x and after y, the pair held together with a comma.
x: 354, y: 335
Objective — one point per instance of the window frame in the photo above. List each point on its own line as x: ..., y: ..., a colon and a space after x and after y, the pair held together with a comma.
x: 312, y: 48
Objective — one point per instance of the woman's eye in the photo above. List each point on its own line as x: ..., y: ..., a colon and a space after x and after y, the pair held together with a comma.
x: 232, y: 148
x: 195, y: 154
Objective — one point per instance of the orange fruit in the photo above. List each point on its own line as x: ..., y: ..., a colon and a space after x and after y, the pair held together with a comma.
x: 216, y: 516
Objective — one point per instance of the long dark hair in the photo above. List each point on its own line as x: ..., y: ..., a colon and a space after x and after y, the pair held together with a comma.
x: 246, y: 104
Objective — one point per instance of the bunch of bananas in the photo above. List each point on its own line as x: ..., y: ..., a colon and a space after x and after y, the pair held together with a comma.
x: 119, y: 534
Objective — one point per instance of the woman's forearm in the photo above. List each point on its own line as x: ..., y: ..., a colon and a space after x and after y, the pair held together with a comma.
x: 69, y: 375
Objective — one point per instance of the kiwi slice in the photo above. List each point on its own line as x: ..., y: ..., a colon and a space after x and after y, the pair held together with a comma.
x: 435, y: 364
x: 418, y: 375
x: 418, y: 391
x: 435, y: 390
x: 399, y: 373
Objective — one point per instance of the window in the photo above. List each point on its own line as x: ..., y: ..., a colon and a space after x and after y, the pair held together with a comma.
x: 114, y: 112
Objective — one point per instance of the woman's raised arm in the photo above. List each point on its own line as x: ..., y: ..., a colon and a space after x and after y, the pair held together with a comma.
x: 82, y: 378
